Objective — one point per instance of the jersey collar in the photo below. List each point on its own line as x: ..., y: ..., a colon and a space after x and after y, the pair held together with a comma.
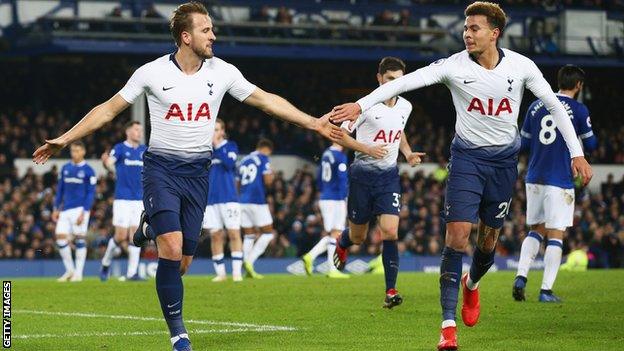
x: 129, y: 145
x: 80, y: 164
x: 223, y: 142
x: 175, y: 62
x: 501, y: 54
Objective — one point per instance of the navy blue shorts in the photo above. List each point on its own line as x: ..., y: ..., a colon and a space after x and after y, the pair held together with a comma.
x: 368, y: 200
x: 175, y: 203
x: 477, y: 191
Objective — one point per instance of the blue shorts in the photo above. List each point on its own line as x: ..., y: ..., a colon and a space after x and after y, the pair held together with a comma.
x: 367, y: 199
x: 477, y: 191
x: 175, y: 203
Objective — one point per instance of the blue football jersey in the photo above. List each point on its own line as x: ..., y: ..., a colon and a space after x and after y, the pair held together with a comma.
x: 250, y: 173
x: 76, y: 187
x: 549, y: 160
x: 128, y: 168
x: 332, y: 175
x: 222, y: 188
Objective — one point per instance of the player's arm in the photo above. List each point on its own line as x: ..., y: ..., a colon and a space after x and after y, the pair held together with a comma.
x: 541, y: 89
x: 585, y: 131
x: 343, y: 176
x: 267, y: 175
x: 422, y: 77
x: 376, y: 150
x: 90, y: 191
x: 109, y: 159
x: 279, y: 107
x: 227, y: 156
x: 413, y: 158
x: 91, y: 122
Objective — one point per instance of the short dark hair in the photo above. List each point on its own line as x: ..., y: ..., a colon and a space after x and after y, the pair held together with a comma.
x: 264, y: 142
x: 495, y: 15
x: 220, y: 121
x: 78, y: 143
x: 131, y: 123
x: 181, y: 19
x: 390, y: 63
x: 568, y: 76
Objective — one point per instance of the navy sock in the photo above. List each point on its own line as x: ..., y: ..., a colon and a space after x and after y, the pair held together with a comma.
x: 390, y: 258
x: 170, y: 292
x: 481, y: 262
x: 149, y: 232
x: 344, y: 240
x: 450, y: 275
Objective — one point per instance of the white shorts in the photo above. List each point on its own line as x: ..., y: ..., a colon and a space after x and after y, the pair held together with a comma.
x: 334, y: 214
x: 226, y: 215
x: 255, y: 215
x: 127, y: 213
x: 550, y: 205
x: 67, y: 222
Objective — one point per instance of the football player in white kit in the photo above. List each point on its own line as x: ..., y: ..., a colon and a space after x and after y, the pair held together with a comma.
x: 374, y: 184
x: 486, y: 84
x: 184, y: 92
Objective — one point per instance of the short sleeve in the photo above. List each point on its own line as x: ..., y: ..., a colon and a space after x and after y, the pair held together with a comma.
x: 583, y: 122
x: 240, y: 88
x: 266, y: 169
x: 116, y: 153
x: 135, y: 86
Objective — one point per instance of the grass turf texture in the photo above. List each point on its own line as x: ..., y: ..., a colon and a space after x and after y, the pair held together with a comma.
x: 327, y: 314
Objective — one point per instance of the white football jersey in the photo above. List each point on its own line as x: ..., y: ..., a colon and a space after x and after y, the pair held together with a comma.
x: 381, y: 124
x: 487, y: 102
x: 183, y: 108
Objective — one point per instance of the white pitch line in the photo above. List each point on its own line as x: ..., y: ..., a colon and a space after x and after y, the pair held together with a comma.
x: 263, y: 327
x: 137, y: 333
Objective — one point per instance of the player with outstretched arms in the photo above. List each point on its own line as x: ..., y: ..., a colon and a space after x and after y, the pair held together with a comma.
x: 126, y: 158
x: 184, y: 92
x: 223, y: 210
x: 374, y: 184
x: 74, y: 198
x: 486, y: 84
x: 549, y: 182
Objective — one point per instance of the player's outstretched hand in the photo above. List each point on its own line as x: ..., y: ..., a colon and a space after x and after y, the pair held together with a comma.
x: 346, y: 112
x: 326, y: 128
x: 415, y: 158
x: 47, y: 150
x: 581, y: 167
x: 377, y: 151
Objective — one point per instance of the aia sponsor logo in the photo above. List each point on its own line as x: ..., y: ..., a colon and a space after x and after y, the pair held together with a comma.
x: 489, y: 107
x: 175, y: 111
x: 388, y: 137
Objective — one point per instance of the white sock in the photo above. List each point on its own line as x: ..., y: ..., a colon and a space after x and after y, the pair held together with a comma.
x: 331, y: 248
x: 81, y: 256
x: 110, y: 252
x: 552, y: 261
x: 259, y: 247
x: 530, y: 247
x: 134, y: 256
x: 248, y: 243
x: 65, y: 252
x: 448, y: 323
x: 470, y: 284
x: 219, y: 265
x: 319, y: 248
x: 237, y: 264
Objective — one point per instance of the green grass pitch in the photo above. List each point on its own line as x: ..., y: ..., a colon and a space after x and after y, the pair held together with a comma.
x: 301, y: 313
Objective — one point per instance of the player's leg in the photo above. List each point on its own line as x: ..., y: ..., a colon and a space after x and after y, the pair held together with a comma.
x: 465, y: 186
x: 62, y: 230
x: 529, y: 250
x: 359, y: 212
x: 217, y: 242
x: 134, y: 252
x: 231, y: 214
x: 113, y: 249
x: 338, y: 216
x: 559, y: 216
x: 249, y: 232
x: 389, y: 227
x: 326, y: 207
x: 80, y: 231
x: 261, y: 218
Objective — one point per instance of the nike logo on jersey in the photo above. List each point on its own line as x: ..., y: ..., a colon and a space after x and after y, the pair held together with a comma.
x: 468, y: 81
x: 165, y: 89
x: 377, y: 117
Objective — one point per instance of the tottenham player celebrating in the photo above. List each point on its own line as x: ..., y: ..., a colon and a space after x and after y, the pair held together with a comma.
x: 549, y: 187
x: 486, y: 85
x: 74, y: 195
x: 333, y: 185
x: 127, y: 160
x: 254, y: 174
x: 184, y: 92
x: 223, y: 209
x: 374, y: 185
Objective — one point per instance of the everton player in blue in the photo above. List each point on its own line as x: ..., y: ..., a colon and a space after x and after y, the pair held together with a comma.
x: 549, y: 181
x: 332, y: 178
x: 223, y: 209
x: 74, y: 197
x: 184, y: 92
x: 127, y: 160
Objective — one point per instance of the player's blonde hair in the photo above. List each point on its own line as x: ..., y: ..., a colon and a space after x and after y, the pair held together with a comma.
x: 182, y: 21
x: 495, y: 15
